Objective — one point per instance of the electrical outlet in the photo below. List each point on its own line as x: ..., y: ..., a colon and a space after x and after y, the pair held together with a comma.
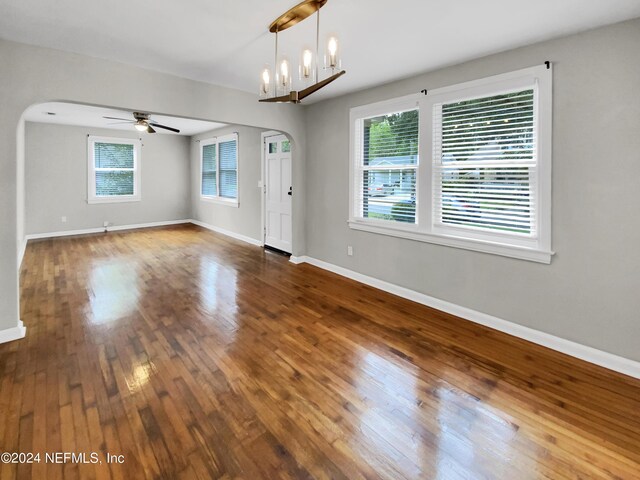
x: 64, y: 219
x: 106, y: 224
x: 349, y: 250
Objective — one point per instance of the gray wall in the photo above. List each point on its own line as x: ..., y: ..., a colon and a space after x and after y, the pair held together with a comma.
x: 56, y: 180
x: 32, y: 75
x: 246, y: 219
x: 589, y: 293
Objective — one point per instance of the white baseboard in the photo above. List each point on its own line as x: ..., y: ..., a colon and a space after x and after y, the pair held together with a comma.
x: 164, y: 223
x: 115, y: 228
x: 22, y: 248
x: 228, y: 233
x: 13, y: 333
x: 112, y: 228
x: 583, y: 352
x: 65, y: 233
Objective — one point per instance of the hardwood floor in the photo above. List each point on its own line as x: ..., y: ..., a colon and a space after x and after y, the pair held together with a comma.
x: 197, y: 356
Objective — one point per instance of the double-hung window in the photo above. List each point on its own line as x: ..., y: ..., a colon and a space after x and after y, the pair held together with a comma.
x: 219, y: 169
x: 481, y: 178
x: 114, y: 169
x: 385, y: 149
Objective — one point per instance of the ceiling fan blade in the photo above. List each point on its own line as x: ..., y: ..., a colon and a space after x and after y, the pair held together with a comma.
x: 150, y: 130
x: 118, y: 118
x: 117, y: 123
x: 165, y: 127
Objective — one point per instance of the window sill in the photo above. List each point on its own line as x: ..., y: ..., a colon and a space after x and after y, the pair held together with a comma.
x: 115, y: 199
x: 230, y: 202
x: 523, y: 253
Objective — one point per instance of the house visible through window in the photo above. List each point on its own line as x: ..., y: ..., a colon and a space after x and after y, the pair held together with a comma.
x: 113, y: 167
x: 389, y: 165
x: 467, y: 166
x: 219, y: 169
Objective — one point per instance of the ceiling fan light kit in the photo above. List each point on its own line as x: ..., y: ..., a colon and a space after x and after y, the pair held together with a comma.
x: 276, y: 86
x: 141, y: 125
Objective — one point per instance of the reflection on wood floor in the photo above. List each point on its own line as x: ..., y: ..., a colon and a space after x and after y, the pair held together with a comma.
x: 196, y: 356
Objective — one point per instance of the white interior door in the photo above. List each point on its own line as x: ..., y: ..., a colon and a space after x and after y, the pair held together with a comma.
x: 278, y: 193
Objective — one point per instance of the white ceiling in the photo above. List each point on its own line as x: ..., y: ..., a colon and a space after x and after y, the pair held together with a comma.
x: 227, y: 43
x: 89, y: 116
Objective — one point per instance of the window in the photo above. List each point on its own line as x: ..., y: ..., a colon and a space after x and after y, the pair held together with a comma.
x: 478, y: 178
x: 114, y: 170
x: 386, y: 162
x: 219, y: 164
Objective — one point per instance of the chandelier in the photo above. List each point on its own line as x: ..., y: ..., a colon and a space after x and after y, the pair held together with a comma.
x: 277, y: 86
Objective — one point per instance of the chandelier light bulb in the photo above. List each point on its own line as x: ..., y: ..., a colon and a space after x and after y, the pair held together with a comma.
x: 306, y: 63
x: 332, y: 47
x: 284, y: 72
x: 265, y: 81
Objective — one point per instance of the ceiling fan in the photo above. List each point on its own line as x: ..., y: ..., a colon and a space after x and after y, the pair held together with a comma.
x: 143, y: 123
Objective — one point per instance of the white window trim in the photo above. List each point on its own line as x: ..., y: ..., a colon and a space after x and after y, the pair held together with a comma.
x: 538, y: 251
x: 230, y: 202
x: 91, y: 170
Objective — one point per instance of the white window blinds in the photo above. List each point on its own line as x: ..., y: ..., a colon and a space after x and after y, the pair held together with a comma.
x: 219, y: 169
x: 229, y: 169
x: 209, y: 170
x: 115, y: 169
x: 485, y: 163
x: 387, y: 166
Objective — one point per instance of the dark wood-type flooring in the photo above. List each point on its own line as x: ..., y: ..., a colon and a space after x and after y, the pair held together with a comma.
x: 194, y: 355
